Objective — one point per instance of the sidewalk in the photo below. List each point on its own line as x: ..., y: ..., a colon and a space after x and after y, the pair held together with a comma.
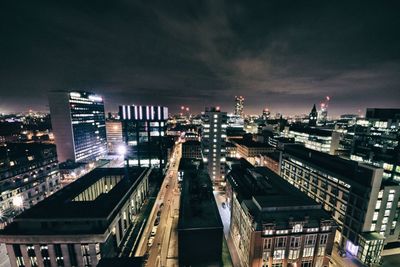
x: 226, y: 221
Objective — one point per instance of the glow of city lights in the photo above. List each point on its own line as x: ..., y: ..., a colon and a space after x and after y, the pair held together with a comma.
x: 121, y: 150
x: 18, y: 201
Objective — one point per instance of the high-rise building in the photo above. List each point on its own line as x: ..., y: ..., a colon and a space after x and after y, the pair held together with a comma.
x: 29, y: 173
x: 213, y: 143
x: 78, y: 122
x: 239, y: 104
x: 323, y: 112
x: 114, y: 135
x: 82, y: 223
x: 364, y: 205
x: 143, y: 130
x: 312, y: 118
x: 377, y: 141
x: 266, y: 114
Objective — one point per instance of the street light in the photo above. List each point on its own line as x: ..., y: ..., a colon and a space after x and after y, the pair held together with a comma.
x: 122, y: 151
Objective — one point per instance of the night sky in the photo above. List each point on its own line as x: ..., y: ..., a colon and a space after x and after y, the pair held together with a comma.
x: 285, y: 55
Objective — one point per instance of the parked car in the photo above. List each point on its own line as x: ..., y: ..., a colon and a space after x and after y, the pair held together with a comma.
x: 151, y: 241
x: 157, y: 222
x: 154, y: 230
x: 223, y: 205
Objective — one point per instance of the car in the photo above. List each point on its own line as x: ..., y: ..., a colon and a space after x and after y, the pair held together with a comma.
x: 154, y: 231
x: 157, y: 222
x: 158, y: 213
x: 223, y: 205
x: 151, y: 241
x: 161, y: 205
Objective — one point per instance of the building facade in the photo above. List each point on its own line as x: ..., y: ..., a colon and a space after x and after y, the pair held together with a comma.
x: 377, y: 141
x: 144, y: 129
x: 28, y: 174
x: 364, y: 205
x: 114, y: 135
x: 273, y: 224
x: 239, y: 106
x: 191, y: 149
x: 78, y: 122
x: 326, y: 141
x: 213, y: 143
x: 81, y: 224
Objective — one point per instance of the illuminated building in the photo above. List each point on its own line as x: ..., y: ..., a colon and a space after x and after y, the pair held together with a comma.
x: 143, y: 129
x: 273, y: 223
x: 191, y: 149
x: 326, y: 141
x: 364, y: 205
x: 377, y: 141
x: 80, y: 224
x: 239, y: 105
x: 249, y: 149
x: 266, y: 114
x: 312, y: 118
x: 323, y: 112
x: 114, y: 135
x: 28, y: 174
x: 78, y: 122
x: 213, y: 143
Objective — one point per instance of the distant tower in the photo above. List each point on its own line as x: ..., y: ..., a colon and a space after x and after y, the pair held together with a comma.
x: 312, y: 118
x: 239, y: 103
x: 323, y: 112
x: 266, y: 114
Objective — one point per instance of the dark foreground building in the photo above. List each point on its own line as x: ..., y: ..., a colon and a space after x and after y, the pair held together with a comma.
x: 80, y: 224
x: 200, y: 229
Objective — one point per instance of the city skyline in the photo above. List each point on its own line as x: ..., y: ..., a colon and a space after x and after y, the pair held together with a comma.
x: 286, y: 57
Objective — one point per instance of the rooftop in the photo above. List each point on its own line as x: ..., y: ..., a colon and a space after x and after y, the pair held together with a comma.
x: 383, y: 113
x: 198, y: 208
x: 75, y: 203
x: 251, y: 143
x: 349, y: 170
x: 311, y: 130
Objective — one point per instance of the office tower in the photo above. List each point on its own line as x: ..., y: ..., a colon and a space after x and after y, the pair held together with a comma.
x: 191, y: 149
x: 114, y: 135
x: 273, y: 223
x: 29, y: 173
x: 364, y: 205
x: 144, y: 129
x: 82, y: 223
x: 266, y: 114
x: 312, y: 118
x: 377, y: 141
x: 200, y: 229
x: 213, y: 143
x: 78, y: 122
x: 326, y: 141
x: 323, y: 112
x: 239, y: 104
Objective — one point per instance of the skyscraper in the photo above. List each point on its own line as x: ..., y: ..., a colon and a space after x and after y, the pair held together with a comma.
x: 239, y: 103
x: 78, y: 122
x: 266, y: 114
x: 143, y: 130
x: 213, y: 143
x: 312, y: 118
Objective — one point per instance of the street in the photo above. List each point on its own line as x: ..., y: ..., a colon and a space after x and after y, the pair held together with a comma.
x: 159, y: 241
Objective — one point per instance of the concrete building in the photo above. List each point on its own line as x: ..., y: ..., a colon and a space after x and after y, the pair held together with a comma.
x: 273, y: 223
x: 249, y: 149
x: 271, y: 160
x: 78, y: 122
x: 326, y: 141
x: 364, y: 205
x: 191, y: 149
x: 81, y: 224
x: 144, y: 133
x: 114, y: 135
x: 28, y: 174
x: 213, y: 143
x: 200, y: 229
x: 377, y: 141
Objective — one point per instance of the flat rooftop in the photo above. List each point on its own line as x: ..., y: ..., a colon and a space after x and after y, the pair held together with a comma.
x: 311, y: 130
x: 82, y: 201
x: 198, y: 208
x: 251, y: 143
x: 349, y: 170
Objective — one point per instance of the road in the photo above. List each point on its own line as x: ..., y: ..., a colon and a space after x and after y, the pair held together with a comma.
x: 164, y: 245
